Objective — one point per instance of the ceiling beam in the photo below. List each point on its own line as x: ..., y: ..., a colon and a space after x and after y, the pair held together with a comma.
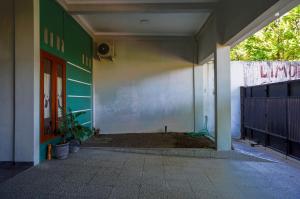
x: 141, y: 34
x: 140, y: 8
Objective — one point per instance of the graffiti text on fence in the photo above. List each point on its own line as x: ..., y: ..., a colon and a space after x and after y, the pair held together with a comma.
x: 256, y: 73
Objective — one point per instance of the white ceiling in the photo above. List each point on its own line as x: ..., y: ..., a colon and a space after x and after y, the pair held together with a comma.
x: 124, y: 17
x: 158, y: 24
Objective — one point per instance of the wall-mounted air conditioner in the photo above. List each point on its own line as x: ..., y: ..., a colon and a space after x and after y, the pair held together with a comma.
x: 105, y: 50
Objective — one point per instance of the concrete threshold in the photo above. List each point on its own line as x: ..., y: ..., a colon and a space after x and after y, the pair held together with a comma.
x: 186, y: 152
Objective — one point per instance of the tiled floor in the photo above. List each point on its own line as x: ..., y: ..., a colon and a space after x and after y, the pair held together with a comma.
x: 94, y: 173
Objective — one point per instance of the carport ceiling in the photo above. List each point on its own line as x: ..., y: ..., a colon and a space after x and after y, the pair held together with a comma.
x: 140, y: 17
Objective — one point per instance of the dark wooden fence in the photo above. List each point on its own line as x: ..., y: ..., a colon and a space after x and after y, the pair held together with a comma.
x: 270, y: 115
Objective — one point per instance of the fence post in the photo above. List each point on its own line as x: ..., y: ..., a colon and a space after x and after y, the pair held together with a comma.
x: 266, y: 134
x: 287, y: 119
x: 242, y: 98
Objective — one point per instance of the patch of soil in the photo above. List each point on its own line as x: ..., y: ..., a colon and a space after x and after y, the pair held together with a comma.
x: 149, y: 140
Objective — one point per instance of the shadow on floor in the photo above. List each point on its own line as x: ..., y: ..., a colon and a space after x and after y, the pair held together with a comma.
x: 9, y: 171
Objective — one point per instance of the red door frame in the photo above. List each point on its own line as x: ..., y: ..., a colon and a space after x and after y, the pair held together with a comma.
x: 54, y: 106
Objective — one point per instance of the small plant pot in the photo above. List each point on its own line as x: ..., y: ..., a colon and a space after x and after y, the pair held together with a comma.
x: 62, y: 151
x: 74, y: 146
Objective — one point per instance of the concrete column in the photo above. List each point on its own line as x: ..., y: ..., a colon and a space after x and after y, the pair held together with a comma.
x: 27, y: 75
x: 6, y: 80
x: 222, y: 98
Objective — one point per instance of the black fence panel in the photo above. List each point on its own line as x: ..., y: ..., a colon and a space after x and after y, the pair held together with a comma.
x: 295, y: 89
x: 277, y: 144
x: 277, y: 122
x: 248, y: 92
x: 294, y: 119
x: 294, y: 150
x: 259, y: 117
x: 278, y: 90
x: 270, y: 115
x: 259, y: 91
x: 254, y: 116
x: 247, y: 112
x: 259, y: 137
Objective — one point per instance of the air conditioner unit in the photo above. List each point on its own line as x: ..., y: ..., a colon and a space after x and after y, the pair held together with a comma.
x: 105, y: 50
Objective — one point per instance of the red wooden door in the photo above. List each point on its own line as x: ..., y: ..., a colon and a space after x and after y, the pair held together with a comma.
x: 52, y: 94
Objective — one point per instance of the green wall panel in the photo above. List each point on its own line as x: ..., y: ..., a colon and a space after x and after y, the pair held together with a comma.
x: 74, y: 43
x: 89, y: 125
x: 76, y: 103
x: 85, y: 117
x: 78, y: 74
x: 78, y: 43
x: 51, y: 19
x: 73, y: 50
x: 74, y: 88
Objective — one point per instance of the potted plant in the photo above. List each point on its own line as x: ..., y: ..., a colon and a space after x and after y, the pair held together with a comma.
x: 74, y: 132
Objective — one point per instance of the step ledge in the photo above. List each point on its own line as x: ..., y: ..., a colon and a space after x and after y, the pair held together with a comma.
x: 186, y: 152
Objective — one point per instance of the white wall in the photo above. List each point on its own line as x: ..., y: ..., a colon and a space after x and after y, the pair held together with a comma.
x: 6, y: 81
x: 209, y: 97
x: 237, y: 80
x: 148, y: 86
x: 198, y: 98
